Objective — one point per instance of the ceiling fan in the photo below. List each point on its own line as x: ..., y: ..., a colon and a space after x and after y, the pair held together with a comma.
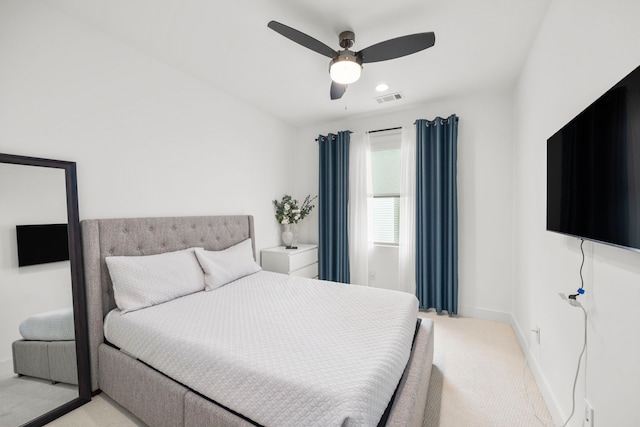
x: 346, y: 65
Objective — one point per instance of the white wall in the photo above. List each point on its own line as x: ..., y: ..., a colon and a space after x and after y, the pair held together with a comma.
x: 484, y: 194
x: 583, y: 48
x: 148, y: 140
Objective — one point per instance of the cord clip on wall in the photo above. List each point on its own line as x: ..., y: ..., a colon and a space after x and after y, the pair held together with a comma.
x: 571, y: 299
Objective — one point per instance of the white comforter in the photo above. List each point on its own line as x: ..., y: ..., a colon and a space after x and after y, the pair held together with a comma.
x: 281, y: 350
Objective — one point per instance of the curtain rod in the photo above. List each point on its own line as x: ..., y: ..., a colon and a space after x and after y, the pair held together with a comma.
x: 384, y: 130
x: 380, y: 130
x: 400, y: 127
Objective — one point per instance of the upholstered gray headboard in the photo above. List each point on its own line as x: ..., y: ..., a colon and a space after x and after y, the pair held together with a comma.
x: 144, y: 236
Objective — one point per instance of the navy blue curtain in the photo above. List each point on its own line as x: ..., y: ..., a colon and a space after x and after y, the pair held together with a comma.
x: 333, y: 197
x: 437, y: 214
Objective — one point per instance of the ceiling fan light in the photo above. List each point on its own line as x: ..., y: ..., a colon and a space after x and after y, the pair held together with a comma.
x: 345, y: 70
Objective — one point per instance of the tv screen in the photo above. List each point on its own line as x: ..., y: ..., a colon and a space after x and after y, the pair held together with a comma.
x: 41, y: 244
x: 593, y: 170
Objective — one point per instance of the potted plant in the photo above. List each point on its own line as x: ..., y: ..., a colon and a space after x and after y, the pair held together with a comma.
x: 289, y: 212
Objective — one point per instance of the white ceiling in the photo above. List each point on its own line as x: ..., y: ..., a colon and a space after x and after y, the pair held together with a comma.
x: 480, y: 45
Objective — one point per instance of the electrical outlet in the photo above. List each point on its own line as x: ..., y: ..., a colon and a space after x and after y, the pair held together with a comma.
x: 588, y: 414
x: 372, y: 276
x: 536, y: 330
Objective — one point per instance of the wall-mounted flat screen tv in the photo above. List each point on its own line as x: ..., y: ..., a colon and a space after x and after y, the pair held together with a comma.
x: 593, y: 170
x: 42, y: 243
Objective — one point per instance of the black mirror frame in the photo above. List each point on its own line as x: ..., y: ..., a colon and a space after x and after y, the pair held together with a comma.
x: 77, y: 284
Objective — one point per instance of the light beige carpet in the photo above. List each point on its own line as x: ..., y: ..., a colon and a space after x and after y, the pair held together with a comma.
x: 479, y: 379
x: 25, y: 398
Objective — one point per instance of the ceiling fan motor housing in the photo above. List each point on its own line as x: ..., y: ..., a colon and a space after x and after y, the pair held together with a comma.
x: 346, y: 55
x: 347, y: 39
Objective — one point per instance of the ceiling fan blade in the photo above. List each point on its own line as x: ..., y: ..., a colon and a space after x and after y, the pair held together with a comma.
x: 395, y: 48
x: 302, y: 39
x: 337, y: 90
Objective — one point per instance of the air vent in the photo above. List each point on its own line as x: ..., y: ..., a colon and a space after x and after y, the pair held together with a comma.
x: 389, y: 98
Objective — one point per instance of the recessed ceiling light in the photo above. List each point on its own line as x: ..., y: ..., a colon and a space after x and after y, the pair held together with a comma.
x: 382, y: 87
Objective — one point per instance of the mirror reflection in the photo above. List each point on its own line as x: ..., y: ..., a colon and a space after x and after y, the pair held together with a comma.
x: 37, y: 349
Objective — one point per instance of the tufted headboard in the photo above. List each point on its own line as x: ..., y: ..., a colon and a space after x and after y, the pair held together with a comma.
x: 144, y: 236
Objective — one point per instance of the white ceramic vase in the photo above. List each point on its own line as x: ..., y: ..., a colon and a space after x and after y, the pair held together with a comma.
x: 287, y: 235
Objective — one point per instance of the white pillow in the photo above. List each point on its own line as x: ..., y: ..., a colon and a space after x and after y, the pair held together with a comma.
x: 222, y: 267
x: 143, y: 281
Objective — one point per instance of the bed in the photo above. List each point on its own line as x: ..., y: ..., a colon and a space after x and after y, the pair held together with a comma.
x: 48, y: 347
x: 162, y: 395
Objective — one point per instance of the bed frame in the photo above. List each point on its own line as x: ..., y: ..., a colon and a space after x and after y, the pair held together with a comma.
x: 156, y: 399
x: 50, y: 360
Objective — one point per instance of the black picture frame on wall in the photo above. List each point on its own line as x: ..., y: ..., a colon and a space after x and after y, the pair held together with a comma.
x: 77, y: 283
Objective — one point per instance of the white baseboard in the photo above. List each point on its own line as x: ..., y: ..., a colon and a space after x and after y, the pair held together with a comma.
x: 484, y: 314
x: 534, y: 366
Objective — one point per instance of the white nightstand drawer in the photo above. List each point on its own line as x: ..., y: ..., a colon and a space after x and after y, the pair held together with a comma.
x: 310, y: 271
x: 302, y: 259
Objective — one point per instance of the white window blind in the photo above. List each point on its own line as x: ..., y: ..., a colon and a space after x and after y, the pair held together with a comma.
x: 385, y: 177
x: 386, y: 215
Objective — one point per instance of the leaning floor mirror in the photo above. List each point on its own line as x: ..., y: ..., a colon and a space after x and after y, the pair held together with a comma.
x: 44, y: 358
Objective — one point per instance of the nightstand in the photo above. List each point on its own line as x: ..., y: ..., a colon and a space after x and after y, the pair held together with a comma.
x: 302, y: 262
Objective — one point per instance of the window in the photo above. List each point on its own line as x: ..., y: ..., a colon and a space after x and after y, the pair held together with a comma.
x: 386, y: 214
x: 385, y: 177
